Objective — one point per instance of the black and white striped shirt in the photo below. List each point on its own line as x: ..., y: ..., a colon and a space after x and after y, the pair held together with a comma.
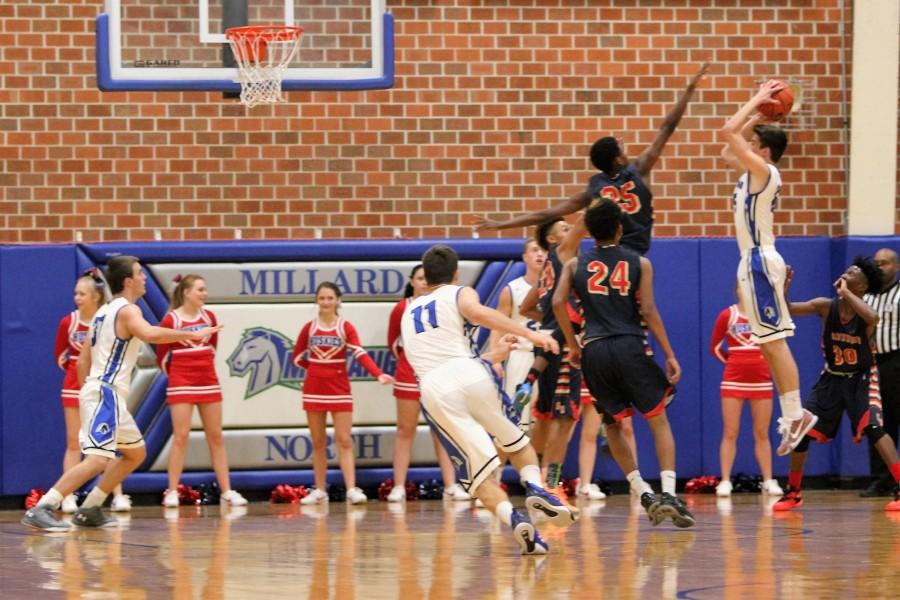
x: 887, y: 305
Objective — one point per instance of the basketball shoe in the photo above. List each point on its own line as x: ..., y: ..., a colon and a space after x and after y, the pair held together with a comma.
x: 43, y: 517
x: 121, y: 503
x: 792, y: 432
x: 674, y: 507
x: 93, y: 517
x: 791, y: 499
x: 894, y: 506
x: 522, y: 395
x: 526, y: 535
x: 541, y: 500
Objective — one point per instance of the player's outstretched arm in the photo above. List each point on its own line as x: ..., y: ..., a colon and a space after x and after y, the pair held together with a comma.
x: 817, y: 306
x: 135, y: 325
x: 648, y: 158
x: 655, y: 323
x: 572, y: 205
x: 560, y: 309
x: 732, y: 133
x: 472, y: 309
x: 504, y: 305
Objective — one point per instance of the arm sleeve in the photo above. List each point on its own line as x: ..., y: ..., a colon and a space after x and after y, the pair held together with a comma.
x: 164, y: 351
x: 718, y: 336
x: 394, y: 340
x: 300, y: 347
x: 359, y: 353
x: 62, y: 340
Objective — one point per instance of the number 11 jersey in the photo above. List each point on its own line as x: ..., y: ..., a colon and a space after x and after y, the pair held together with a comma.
x: 434, y: 331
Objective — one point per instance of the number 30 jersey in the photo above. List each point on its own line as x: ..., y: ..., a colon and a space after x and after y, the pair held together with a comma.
x: 607, y: 280
x: 434, y: 331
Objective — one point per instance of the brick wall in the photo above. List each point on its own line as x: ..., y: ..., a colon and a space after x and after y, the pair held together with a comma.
x: 495, y: 106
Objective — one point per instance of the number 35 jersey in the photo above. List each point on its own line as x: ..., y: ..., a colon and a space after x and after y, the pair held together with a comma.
x: 434, y: 332
x: 607, y: 280
x: 633, y: 196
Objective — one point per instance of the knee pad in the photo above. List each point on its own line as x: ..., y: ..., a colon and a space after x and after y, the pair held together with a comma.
x: 874, y: 433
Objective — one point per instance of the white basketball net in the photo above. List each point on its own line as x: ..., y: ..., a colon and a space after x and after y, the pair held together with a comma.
x: 263, y: 54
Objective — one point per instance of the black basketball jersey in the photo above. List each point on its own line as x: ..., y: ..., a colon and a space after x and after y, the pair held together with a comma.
x: 627, y: 189
x: 847, y: 346
x: 607, y: 280
x: 546, y: 287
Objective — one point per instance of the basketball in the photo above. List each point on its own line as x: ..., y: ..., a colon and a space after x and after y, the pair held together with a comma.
x: 777, y: 110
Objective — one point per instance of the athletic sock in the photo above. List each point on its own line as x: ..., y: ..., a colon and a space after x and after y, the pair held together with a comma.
x: 895, y: 471
x: 794, y: 479
x: 532, y: 376
x: 52, y: 498
x: 637, y: 484
x: 530, y: 474
x: 504, y: 512
x: 791, y: 408
x: 95, y: 498
x: 667, y: 479
x: 554, y: 473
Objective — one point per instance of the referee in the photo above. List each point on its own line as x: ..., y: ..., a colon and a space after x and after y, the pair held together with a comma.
x: 887, y: 347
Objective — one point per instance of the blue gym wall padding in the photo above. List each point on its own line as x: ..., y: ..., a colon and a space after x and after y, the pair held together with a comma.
x: 693, y: 281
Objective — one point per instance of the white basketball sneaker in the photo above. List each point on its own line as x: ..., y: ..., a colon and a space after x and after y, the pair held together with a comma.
x: 233, y: 498
x: 398, y: 494
x: 316, y: 496
x: 170, y: 499
x: 771, y: 487
x: 121, y: 503
x: 723, y: 490
x: 456, y: 493
x: 356, y: 496
x: 591, y: 492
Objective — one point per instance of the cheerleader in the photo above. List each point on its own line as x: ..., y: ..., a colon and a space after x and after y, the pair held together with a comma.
x: 89, y: 296
x: 190, y: 367
x: 746, y: 377
x: 321, y: 349
x: 406, y: 392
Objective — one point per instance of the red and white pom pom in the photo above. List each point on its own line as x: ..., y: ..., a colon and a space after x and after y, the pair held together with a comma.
x: 33, y: 497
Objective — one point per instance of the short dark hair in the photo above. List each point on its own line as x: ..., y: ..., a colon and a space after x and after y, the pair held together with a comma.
x: 603, y: 219
x: 773, y: 138
x: 440, y: 263
x: 543, y: 230
x: 871, y: 271
x: 604, y: 153
x: 118, y: 270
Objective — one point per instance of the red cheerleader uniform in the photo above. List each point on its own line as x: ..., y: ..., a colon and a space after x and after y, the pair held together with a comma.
x: 322, y: 351
x: 406, y: 386
x: 69, y: 339
x: 746, y: 370
x: 190, y: 365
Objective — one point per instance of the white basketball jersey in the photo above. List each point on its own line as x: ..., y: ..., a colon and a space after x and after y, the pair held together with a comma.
x: 112, y: 358
x: 434, y: 331
x: 753, y: 213
x: 518, y: 289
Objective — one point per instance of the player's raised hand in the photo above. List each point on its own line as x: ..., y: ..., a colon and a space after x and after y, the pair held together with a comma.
x: 544, y: 341
x: 482, y: 223
x: 767, y: 90
x: 701, y: 73
x: 385, y: 379
x: 841, y: 286
x: 673, y: 370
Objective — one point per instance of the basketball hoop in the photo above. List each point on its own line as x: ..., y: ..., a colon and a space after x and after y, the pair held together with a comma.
x: 263, y: 52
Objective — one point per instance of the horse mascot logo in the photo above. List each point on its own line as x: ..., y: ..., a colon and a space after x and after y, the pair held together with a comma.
x: 266, y: 355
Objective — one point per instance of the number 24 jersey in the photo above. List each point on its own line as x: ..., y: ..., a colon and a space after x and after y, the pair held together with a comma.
x: 434, y: 332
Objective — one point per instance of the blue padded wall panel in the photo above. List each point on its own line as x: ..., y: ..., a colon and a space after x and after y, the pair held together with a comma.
x: 36, y: 285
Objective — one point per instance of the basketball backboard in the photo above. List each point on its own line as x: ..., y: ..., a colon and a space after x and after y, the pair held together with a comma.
x: 157, y: 45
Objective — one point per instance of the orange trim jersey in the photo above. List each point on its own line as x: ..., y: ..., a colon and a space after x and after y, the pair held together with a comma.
x: 322, y: 351
x: 70, y: 336
x: 406, y: 386
x: 746, y: 373
x: 190, y: 365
